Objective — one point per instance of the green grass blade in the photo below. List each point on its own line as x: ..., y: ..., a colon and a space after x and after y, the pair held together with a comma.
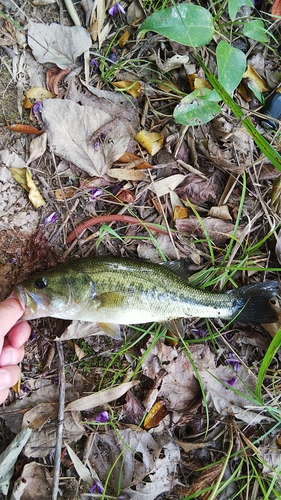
x: 270, y: 353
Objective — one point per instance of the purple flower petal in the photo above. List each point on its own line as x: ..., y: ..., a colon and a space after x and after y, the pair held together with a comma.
x: 50, y: 218
x: 102, y: 417
x: 94, y: 63
x: 117, y: 7
x: 233, y: 361
x: 96, y: 192
x: 231, y: 382
x: 97, y: 487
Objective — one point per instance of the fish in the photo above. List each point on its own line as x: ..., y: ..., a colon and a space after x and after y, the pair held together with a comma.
x: 113, y: 291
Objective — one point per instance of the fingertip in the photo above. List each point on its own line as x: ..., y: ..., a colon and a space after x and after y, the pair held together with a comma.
x: 19, y: 334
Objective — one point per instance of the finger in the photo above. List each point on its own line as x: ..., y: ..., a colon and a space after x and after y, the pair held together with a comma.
x: 9, y: 376
x: 19, y: 334
x: 10, y: 312
x: 11, y: 356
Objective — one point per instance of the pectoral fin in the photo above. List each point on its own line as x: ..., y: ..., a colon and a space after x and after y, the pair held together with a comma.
x: 175, y: 327
x: 111, y: 329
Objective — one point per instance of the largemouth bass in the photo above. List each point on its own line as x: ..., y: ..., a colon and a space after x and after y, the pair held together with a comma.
x: 112, y: 291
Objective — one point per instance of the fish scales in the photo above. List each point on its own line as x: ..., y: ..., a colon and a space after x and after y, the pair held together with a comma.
x: 111, y: 290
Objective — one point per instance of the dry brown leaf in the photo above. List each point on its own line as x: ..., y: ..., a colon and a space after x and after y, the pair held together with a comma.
x: 221, y: 212
x: 166, y: 185
x: 219, y: 231
x: 36, y: 93
x: 71, y: 128
x: 126, y: 174
x: 174, y: 377
x: 199, y: 190
x: 53, y: 78
x: 276, y: 8
x: 100, y: 398
x: 39, y: 415
x: 31, y: 482
x: 7, y: 32
x: 206, y: 479
x: 37, y: 147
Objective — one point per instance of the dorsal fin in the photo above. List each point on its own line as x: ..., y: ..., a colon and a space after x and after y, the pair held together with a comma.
x: 178, y: 267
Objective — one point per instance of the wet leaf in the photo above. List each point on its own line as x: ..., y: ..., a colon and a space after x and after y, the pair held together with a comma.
x: 58, y: 44
x: 187, y: 24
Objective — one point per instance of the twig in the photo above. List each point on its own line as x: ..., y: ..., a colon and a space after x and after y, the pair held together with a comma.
x: 57, y: 461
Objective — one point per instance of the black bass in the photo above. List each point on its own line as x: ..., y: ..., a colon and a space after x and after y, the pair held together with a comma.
x: 112, y: 291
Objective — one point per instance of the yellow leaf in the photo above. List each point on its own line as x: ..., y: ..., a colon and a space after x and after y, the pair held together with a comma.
x: 34, y: 194
x: 123, y: 39
x: 132, y: 88
x: 201, y: 83
x: 258, y: 82
x: 180, y: 212
x: 23, y: 177
x: 151, y: 141
x: 68, y: 192
x: 36, y: 93
x: 19, y: 174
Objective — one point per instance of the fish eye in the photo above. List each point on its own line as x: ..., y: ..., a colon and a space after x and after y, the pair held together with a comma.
x: 41, y: 283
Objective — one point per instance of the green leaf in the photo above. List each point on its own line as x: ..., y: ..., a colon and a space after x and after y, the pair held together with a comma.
x: 194, y: 109
x: 235, y: 5
x: 231, y: 66
x: 187, y: 24
x: 255, y: 29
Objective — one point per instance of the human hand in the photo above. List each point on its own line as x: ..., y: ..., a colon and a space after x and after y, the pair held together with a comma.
x: 12, y: 337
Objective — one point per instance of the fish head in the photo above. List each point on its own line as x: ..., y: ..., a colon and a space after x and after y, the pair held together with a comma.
x: 54, y: 293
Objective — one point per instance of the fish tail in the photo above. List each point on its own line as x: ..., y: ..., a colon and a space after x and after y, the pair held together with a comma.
x: 253, y: 302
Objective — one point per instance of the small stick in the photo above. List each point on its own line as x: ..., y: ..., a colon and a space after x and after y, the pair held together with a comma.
x: 57, y: 461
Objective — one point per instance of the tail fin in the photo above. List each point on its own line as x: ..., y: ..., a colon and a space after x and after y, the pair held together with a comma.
x: 254, y: 302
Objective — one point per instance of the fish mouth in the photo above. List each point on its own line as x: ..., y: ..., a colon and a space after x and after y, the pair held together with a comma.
x: 34, y: 304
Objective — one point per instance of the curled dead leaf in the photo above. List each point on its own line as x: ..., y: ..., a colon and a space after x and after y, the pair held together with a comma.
x: 155, y: 415
x: 219, y: 231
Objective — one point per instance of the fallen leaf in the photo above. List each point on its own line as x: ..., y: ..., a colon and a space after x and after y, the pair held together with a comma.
x: 24, y: 129
x: 126, y: 174
x: 9, y: 457
x: 199, y: 190
x: 33, y: 192
x: 136, y: 455
x: 166, y: 185
x: 180, y: 212
x: 276, y: 8
x: 70, y: 130
x: 124, y: 39
x: 36, y: 93
x: 219, y: 231
x: 53, y: 78
x: 155, y: 415
x: 37, y: 147
x: 221, y: 212
x: 101, y: 397
x: 151, y: 141
x: 32, y: 481
x: 7, y: 32
x: 58, y: 44
x: 257, y: 81
x: 131, y: 88
x: 206, y: 479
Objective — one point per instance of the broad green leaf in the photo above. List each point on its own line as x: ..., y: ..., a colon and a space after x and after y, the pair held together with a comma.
x: 187, y: 24
x: 195, y: 109
x: 231, y: 66
x: 235, y: 5
x: 255, y: 29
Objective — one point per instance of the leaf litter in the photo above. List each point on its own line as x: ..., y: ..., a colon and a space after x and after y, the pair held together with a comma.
x: 89, y: 127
